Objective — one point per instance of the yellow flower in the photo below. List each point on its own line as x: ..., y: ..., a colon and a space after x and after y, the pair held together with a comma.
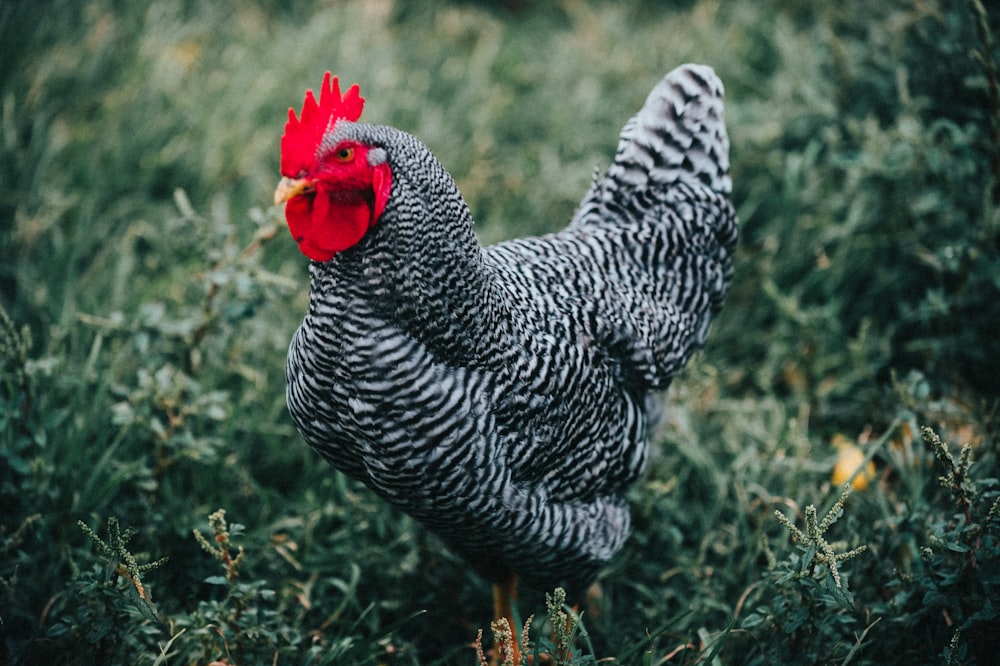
x: 850, y: 457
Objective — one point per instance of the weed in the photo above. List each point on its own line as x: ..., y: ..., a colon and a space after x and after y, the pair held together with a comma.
x: 106, y: 611
x: 817, y: 549
x: 566, y: 643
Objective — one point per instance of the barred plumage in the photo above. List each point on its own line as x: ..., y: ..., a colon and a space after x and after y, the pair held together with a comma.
x: 498, y: 394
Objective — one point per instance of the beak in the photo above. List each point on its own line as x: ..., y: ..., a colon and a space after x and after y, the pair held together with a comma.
x: 291, y: 187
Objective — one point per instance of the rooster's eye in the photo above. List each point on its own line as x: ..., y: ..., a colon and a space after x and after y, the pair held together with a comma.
x: 345, y: 154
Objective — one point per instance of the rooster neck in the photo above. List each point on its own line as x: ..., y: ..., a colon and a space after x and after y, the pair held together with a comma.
x: 449, y: 302
x: 428, y: 280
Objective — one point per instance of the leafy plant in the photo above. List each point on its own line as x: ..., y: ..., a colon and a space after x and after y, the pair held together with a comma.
x: 951, y: 587
x: 107, y: 610
x: 808, y: 602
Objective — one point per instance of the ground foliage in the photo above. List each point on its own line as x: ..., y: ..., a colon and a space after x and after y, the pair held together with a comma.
x: 158, y: 506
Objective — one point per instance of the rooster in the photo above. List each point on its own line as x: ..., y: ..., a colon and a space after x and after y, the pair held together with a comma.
x: 499, y: 394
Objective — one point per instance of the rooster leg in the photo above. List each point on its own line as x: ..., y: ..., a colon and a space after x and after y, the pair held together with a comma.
x: 504, y: 597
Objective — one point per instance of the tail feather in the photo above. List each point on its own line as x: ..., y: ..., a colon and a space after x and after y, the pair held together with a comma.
x: 664, y: 224
x: 678, y: 135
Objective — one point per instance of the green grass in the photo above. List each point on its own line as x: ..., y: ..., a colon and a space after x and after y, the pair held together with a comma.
x: 149, y: 292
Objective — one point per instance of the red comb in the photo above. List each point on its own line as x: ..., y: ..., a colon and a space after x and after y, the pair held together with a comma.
x: 303, y: 135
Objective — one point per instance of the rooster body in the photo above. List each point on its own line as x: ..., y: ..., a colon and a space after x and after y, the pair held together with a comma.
x: 498, y: 395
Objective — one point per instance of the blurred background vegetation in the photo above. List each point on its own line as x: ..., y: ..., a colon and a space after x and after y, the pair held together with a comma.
x: 148, y: 294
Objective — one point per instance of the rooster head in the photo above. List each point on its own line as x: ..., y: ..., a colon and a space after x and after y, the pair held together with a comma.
x: 334, y: 191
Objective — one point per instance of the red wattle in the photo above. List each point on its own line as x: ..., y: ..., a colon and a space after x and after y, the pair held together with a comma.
x: 323, y: 225
x: 298, y: 214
